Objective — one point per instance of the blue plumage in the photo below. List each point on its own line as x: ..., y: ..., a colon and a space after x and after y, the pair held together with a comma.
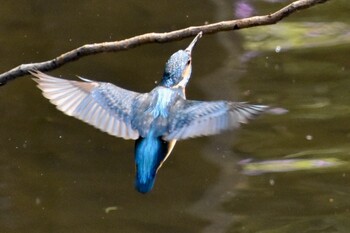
x: 174, y: 67
x: 156, y: 120
x: 149, y: 153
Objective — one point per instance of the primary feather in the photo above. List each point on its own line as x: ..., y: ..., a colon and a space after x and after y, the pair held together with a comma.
x: 102, y: 105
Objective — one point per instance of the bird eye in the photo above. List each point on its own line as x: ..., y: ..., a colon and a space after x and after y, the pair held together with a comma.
x: 188, y: 62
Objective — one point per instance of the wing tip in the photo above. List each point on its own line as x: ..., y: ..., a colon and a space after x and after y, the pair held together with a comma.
x: 36, y: 74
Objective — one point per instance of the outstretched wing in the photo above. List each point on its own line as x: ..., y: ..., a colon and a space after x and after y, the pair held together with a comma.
x: 103, y: 105
x: 198, y: 118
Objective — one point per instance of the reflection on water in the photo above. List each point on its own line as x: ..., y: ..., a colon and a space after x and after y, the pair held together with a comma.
x: 60, y: 175
x: 288, y: 165
x: 297, y: 35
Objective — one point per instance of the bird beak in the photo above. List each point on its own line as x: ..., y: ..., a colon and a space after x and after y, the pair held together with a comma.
x: 193, y: 43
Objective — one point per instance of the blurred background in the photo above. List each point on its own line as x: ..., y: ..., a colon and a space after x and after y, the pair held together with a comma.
x: 287, y: 173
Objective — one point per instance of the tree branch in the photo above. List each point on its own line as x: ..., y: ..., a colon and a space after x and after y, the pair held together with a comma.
x: 90, y: 49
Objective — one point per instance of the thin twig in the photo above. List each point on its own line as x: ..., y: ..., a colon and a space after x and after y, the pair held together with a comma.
x: 90, y: 49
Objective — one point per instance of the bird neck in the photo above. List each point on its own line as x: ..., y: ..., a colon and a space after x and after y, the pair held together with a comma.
x: 168, y: 80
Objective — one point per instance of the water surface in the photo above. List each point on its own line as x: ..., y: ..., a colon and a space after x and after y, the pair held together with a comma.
x: 61, y: 175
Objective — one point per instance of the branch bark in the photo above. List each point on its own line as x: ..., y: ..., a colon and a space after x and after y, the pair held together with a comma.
x: 90, y: 49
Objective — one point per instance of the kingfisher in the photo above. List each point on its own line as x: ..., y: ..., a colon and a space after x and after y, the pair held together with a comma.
x: 156, y: 120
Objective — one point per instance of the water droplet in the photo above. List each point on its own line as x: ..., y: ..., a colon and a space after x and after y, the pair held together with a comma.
x: 110, y: 208
x: 309, y: 137
x: 278, y: 49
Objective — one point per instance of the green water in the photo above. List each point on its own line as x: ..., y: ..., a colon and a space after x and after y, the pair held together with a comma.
x: 286, y: 173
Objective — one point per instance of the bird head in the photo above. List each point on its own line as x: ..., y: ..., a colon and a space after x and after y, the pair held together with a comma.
x: 178, y: 68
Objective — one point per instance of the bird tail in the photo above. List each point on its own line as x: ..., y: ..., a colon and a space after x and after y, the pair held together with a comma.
x: 149, y: 154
